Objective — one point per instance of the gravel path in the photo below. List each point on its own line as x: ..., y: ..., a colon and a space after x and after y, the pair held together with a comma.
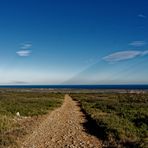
x: 62, y: 129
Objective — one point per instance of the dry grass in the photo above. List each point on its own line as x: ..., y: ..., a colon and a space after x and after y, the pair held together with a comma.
x: 30, y: 105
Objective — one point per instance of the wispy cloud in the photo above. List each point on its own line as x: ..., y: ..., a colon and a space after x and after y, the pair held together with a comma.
x: 138, y: 43
x: 142, y: 16
x: 26, y: 46
x: 124, y: 55
x: 145, y: 52
x: 24, y: 53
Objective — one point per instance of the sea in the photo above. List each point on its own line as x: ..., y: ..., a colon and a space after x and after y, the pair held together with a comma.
x: 130, y: 86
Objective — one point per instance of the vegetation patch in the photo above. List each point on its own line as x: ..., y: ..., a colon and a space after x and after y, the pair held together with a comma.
x: 15, y: 106
x: 123, y: 118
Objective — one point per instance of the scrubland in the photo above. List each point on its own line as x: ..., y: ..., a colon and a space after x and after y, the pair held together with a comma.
x: 117, y: 119
x: 121, y: 119
x: 19, y: 110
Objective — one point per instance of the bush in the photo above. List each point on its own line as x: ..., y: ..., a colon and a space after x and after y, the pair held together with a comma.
x: 123, y: 117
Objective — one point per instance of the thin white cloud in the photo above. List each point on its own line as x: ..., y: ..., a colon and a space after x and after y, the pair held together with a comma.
x: 142, y: 16
x: 138, y: 43
x: 26, y: 46
x: 25, y: 50
x: 145, y: 52
x: 124, y: 55
x: 24, y: 53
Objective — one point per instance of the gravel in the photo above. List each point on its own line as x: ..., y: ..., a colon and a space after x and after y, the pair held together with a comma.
x: 62, y: 129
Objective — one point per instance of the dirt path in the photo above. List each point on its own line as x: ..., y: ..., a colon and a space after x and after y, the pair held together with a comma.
x: 62, y: 129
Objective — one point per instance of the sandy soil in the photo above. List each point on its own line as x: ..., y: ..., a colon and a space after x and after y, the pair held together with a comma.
x: 62, y: 129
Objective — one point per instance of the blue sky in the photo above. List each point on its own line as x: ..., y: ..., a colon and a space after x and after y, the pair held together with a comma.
x: 73, y: 42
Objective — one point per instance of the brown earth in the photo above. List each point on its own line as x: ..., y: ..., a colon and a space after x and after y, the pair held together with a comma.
x: 62, y: 129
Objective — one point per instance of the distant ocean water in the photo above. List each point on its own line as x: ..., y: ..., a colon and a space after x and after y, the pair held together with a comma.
x: 145, y: 86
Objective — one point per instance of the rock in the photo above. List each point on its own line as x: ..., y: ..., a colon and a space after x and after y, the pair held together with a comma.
x: 88, y: 142
x: 53, y: 140
x: 91, y: 146
x: 18, y: 114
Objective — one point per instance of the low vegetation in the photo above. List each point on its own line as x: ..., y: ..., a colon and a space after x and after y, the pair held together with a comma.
x: 27, y: 105
x: 122, y: 119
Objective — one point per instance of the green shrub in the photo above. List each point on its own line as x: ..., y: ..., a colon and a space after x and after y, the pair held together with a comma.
x: 27, y: 104
x: 123, y: 117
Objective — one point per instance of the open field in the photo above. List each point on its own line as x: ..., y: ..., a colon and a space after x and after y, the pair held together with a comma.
x: 30, y: 105
x: 117, y: 118
x: 121, y: 119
